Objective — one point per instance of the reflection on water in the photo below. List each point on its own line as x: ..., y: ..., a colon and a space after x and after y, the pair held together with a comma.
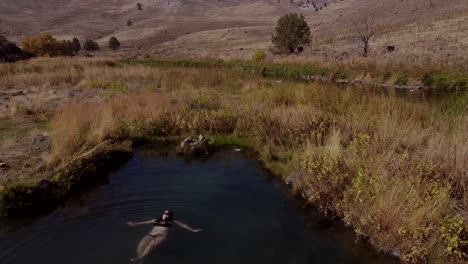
x: 247, y: 216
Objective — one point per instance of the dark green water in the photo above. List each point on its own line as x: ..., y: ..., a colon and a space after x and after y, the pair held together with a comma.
x: 246, y: 214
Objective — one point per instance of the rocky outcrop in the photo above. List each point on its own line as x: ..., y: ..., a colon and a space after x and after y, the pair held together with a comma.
x: 195, y: 146
x: 9, y: 52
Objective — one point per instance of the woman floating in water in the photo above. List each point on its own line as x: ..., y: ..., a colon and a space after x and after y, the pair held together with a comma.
x: 158, y: 234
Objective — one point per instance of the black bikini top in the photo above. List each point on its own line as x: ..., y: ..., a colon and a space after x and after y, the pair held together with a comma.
x: 159, y: 222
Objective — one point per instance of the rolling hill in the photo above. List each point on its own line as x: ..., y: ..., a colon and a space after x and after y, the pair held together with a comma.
x: 234, y: 28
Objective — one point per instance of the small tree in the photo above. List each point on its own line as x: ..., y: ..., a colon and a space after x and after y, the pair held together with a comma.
x: 129, y: 22
x: 76, y: 45
x: 292, y: 31
x: 114, y: 43
x: 139, y: 6
x: 90, y: 45
x: 365, y: 30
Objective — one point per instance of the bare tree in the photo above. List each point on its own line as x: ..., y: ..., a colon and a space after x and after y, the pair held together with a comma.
x: 365, y: 30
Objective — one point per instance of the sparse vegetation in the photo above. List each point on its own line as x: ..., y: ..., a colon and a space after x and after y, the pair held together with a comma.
x: 291, y: 32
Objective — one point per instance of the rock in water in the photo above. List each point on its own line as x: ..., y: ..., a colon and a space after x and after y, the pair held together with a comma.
x: 292, y: 180
x: 195, y: 146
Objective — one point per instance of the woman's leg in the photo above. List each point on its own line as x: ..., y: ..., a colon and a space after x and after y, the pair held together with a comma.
x: 147, y: 244
x: 144, y: 243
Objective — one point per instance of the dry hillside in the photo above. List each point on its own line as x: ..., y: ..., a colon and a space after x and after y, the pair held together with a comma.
x: 234, y: 28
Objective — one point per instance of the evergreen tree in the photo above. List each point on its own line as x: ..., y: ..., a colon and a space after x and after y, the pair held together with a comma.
x: 76, y: 45
x: 292, y: 31
x: 114, y: 43
x: 90, y: 45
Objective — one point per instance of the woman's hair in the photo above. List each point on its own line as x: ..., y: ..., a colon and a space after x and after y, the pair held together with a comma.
x: 170, y: 214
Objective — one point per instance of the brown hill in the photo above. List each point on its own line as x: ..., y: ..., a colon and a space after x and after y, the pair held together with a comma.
x: 234, y: 28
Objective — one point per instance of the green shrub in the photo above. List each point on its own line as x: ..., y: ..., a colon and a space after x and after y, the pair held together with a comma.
x: 455, y: 234
x: 145, y: 56
x: 326, y: 180
x: 202, y: 102
x: 402, y: 80
x: 446, y: 81
x: 230, y: 140
x: 105, y: 85
x: 259, y: 56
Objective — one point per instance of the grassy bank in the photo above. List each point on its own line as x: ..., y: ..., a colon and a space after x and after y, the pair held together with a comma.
x: 394, y: 168
x: 49, y: 186
x: 432, y: 77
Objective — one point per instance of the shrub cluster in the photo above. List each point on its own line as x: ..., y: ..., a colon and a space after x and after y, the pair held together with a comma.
x: 46, y: 45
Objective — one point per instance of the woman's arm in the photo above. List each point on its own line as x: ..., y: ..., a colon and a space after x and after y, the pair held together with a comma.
x: 142, y: 223
x: 185, y: 226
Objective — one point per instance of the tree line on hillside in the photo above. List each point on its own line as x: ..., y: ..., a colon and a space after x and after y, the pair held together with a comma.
x: 292, y: 33
x: 46, y: 45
